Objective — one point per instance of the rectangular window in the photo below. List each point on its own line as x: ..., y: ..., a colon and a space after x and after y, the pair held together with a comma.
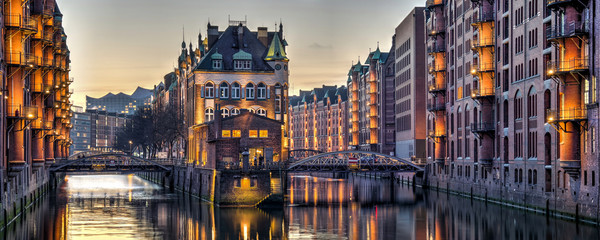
x: 226, y: 133
x: 237, y: 133
x: 264, y: 133
x: 253, y: 133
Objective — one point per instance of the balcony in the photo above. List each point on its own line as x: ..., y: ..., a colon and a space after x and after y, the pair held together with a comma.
x: 552, y: 4
x: 433, y: 68
x: 434, y: 3
x: 483, y: 67
x: 566, y: 115
x: 432, y: 107
x: 436, y: 134
x: 485, y: 127
x: 436, y: 30
x: 482, y: 93
x: 37, y: 87
x: 27, y: 24
x: 483, y: 42
x: 484, y: 17
x: 48, y: 125
x: 569, y: 66
x: 568, y: 30
x: 22, y: 59
x: 37, y: 124
x: 436, y: 48
x: 437, y: 87
x: 46, y: 9
x: 22, y: 112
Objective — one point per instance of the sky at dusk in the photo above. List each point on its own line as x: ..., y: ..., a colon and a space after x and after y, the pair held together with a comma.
x: 117, y: 45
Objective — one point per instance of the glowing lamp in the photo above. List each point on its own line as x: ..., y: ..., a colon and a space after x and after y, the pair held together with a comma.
x: 550, y: 71
x: 473, y: 71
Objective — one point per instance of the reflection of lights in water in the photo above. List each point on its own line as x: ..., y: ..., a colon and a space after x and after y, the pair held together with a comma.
x: 108, y: 186
x: 245, y: 226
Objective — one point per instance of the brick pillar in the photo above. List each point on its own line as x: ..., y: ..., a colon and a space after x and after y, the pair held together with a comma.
x: 49, y: 147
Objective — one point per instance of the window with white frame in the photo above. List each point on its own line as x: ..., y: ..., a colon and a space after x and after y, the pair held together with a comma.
x: 209, y: 90
x: 224, y: 90
x: 251, y: 110
x: 224, y: 112
x: 242, y: 64
x: 262, y: 112
x: 277, y: 104
x: 235, y: 90
x: 235, y: 111
x: 249, y: 91
x: 261, y: 91
x: 217, y: 64
x: 209, y: 114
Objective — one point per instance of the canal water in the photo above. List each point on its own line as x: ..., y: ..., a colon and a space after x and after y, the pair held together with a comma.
x: 128, y: 207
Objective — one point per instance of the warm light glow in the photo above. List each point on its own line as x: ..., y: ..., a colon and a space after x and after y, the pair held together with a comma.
x: 550, y: 71
x: 473, y: 71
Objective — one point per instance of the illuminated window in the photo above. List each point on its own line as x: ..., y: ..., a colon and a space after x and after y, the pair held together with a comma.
x: 237, y: 133
x: 209, y: 114
x: 253, y: 134
x: 224, y: 112
x: 224, y: 90
x: 226, y: 133
x: 264, y: 133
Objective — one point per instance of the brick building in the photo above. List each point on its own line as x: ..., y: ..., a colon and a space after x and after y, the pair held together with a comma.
x: 372, y: 104
x: 410, y: 86
x: 513, y: 101
x: 319, y: 119
x: 231, y: 70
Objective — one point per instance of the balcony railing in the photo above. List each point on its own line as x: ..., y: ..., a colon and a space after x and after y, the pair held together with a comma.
x: 22, y: 59
x: 571, y: 29
x: 436, y: 134
x: 482, y: 127
x: 437, y: 67
x: 435, y: 106
x: 437, y: 87
x: 483, y: 42
x: 436, y: 48
x: 37, y: 87
x: 482, y: 92
x: 437, y: 29
x: 566, y: 115
x: 485, y: 16
x: 37, y: 124
x: 48, y: 125
x: 482, y: 67
x: 23, y: 112
x: 18, y: 21
x: 572, y: 65
x: 558, y: 3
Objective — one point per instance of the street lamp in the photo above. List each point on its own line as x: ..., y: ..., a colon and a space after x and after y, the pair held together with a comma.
x: 130, y: 144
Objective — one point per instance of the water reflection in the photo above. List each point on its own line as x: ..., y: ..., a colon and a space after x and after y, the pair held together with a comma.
x: 127, y: 207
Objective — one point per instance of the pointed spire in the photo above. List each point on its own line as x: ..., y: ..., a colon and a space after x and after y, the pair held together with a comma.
x: 183, y: 37
x: 276, y: 50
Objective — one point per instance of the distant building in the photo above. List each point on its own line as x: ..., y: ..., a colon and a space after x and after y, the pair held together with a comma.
x: 121, y: 102
x: 319, y: 119
x: 103, y: 129
x: 371, y: 104
x: 411, y: 81
x: 81, y: 131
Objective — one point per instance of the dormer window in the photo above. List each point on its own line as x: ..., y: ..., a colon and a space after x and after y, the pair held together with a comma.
x: 242, y: 64
x: 217, y: 64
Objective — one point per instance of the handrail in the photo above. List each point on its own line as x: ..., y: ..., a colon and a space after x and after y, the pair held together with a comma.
x: 573, y: 64
x: 571, y: 114
x: 482, y: 92
x: 567, y: 29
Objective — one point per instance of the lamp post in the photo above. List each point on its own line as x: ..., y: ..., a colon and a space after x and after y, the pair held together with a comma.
x: 130, y: 144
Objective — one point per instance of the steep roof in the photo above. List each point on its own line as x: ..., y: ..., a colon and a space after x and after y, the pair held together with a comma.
x: 227, y: 45
x: 276, y: 51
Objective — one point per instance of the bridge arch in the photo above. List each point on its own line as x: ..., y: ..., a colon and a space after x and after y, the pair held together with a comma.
x: 359, y: 161
x: 110, y: 162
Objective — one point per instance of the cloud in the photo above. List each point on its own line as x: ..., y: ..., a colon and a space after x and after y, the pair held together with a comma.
x: 319, y: 46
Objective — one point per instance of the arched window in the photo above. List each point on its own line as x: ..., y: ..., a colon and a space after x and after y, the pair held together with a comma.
x: 262, y: 112
x: 277, y: 104
x: 534, y: 176
x: 251, y: 110
x: 532, y: 103
x: 249, y: 91
x: 518, y: 108
x: 261, y: 91
x: 209, y: 114
x: 224, y: 90
x: 235, y: 111
x: 224, y: 112
x: 235, y: 90
x: 210, y: 90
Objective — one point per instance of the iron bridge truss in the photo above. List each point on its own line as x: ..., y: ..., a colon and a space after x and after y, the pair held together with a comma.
x: 110, y: 162
x: 363, y: 161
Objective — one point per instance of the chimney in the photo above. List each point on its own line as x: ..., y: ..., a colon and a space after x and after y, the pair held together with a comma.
x: 240, y: 32
x: 213, y: 35
x: 263, y: 37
